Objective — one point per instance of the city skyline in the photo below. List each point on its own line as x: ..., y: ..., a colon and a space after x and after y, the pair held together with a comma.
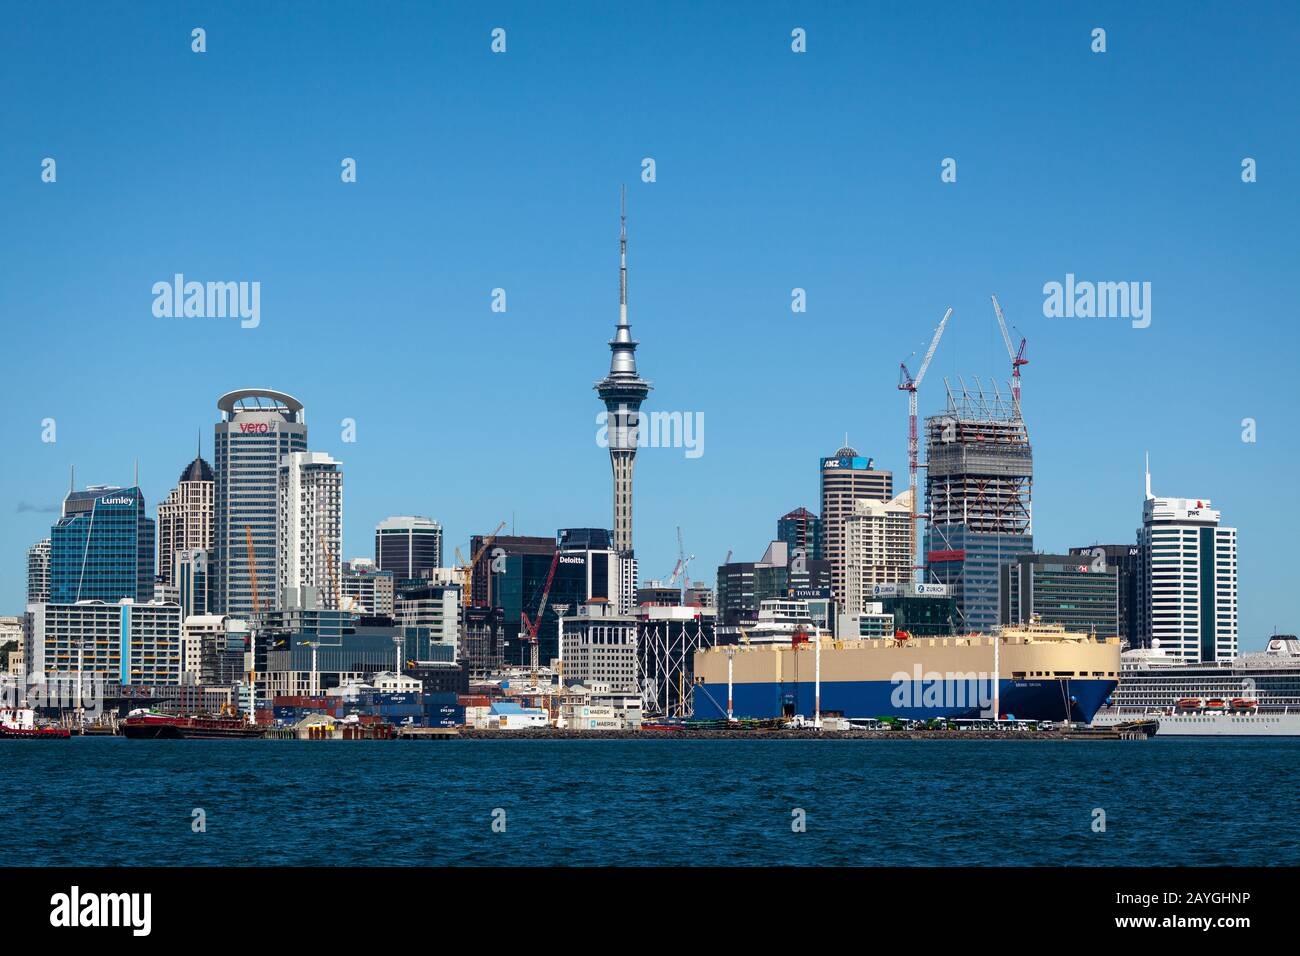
x: 433, y: 226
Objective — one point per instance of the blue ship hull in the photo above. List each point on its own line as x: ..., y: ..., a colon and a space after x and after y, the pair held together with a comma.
x: 1062, y: 699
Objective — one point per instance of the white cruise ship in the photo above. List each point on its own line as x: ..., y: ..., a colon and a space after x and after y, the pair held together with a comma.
x: 1256, y: 694
x: 779, y: 621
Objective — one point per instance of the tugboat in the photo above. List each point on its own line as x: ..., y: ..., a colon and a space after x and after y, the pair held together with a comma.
x: 150, y: 725
x: 20, y: 723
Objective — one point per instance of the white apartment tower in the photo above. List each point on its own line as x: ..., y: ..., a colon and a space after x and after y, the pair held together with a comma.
x: 877, y: 548
x: 1188, y: 579
x: 309, y: 529
x: 38, y: 572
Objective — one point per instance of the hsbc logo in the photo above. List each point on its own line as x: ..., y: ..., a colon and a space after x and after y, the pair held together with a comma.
x: 254, y: 428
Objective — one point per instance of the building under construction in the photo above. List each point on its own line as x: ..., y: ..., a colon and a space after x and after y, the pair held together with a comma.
x: 979, y: 480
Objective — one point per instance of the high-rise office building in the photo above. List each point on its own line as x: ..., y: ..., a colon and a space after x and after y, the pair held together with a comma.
x: 492, y: 569
x: 801, y: 529
x: 595, y: 569
x: 978, y: 488
x: 309, y: 530
x: 877, y: 548
x: 258, y: 428
x: 101, y: 549
x: 434, y: 607
x: 600, y: 645
x: 623, y: 391
x: 185, y: 516
x: 744, y: 585
x: 1127, y: 561
x: 1061, y: 589
x: 190, y: 572
x: 38, y: 572
x: 1189, y: 578
x: 368, y: 590
x: 846, y: 477
x: 408, y: 545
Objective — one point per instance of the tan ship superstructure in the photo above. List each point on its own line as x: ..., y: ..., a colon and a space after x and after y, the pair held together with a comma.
x: 1037, y: 666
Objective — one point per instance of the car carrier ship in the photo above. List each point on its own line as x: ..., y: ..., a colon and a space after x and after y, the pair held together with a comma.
x: 1029, y: 672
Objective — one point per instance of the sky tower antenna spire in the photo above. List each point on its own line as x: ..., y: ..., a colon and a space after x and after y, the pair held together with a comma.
x: 622, y: 256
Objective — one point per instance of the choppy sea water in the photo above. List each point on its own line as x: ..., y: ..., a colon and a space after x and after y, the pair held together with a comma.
x: 111, y: 801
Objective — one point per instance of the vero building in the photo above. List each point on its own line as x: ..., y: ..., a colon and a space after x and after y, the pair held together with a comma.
x: 258, y: 427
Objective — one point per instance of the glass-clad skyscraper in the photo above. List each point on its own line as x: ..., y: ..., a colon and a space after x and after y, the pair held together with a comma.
x: 101, y: 549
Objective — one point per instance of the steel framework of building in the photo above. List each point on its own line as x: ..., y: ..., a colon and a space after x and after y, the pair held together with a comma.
x: 665, y: 668
x: 979, y: 463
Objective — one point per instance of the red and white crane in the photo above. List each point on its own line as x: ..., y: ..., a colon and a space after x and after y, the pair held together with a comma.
x: 530, y: 627
x: 1017, y: 356
x: 907, y: 383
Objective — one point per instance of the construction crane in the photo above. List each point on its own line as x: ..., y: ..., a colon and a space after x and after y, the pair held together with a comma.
x: 683, y: 561
x: 252, y: 568
x: 1017, y: 356
x: 907, y: 383
x: 530, y: 627
x: 334, y: 576
x: 467, y: 570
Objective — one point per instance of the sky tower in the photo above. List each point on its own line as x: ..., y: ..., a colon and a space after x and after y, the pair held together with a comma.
x: 622, y: 391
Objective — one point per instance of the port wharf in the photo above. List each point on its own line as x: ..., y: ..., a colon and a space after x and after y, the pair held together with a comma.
x: 791, y: 733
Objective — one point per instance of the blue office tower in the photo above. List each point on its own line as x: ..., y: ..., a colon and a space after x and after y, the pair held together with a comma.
x: 102, y: 548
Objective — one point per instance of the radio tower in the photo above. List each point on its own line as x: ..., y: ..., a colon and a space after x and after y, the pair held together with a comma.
x: 622, y: 391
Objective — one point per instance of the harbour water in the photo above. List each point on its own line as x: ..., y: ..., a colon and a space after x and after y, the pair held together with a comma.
x: 110, y: 801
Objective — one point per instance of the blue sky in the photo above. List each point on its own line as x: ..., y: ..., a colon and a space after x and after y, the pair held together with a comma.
x: 774, y: 170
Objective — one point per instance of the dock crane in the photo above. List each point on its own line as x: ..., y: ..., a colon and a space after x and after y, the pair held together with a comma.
x: 906, y: 383
x: 1017, y: 356
x: 530, y: 627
